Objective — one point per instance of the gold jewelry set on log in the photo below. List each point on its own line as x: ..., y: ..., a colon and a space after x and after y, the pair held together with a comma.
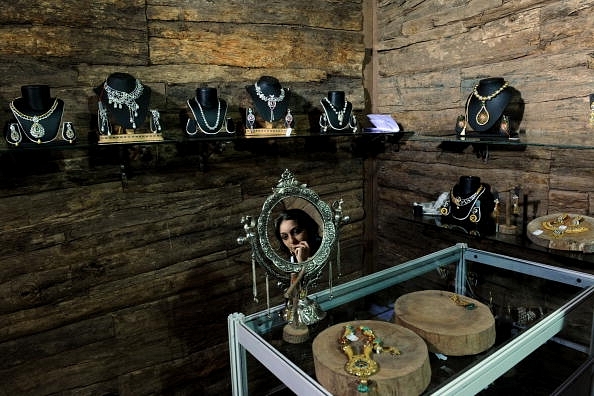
x: 565, y: 223
x: 362, y: 365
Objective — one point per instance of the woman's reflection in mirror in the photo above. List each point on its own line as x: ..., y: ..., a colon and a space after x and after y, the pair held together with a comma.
x: 298, y: 234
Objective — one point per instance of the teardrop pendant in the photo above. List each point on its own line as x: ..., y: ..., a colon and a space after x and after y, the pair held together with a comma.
x: 482, y: 117
x: 37, y: 130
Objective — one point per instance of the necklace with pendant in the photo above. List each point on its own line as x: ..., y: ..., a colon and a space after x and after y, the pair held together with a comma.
x: 483, y: 116
x: 270, y: 100
x: 37, y: 130
x: 339, y: 113
x: 119, y: 98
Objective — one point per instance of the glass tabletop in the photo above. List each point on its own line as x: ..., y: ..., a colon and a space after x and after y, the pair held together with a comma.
x: 526, y: 336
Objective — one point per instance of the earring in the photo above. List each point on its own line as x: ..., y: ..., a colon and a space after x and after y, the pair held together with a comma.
x: 495, y: 213
x: 504, y: 125
x: 515, y: 204
x: 460, y: 124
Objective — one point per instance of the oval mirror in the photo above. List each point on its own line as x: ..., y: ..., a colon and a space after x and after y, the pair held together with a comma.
x: 290, y: 195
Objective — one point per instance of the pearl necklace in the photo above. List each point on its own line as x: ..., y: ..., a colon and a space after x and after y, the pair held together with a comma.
x: 37, y: 130
x: 216, y: 124
x: 270, y: 100
x: 118, y: 98
x: 339, y: 113
x: 482, y: 117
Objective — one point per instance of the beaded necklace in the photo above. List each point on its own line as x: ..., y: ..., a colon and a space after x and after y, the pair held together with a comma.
x: 339, y: 113
x: 216, y: 124
x: 482, y: 117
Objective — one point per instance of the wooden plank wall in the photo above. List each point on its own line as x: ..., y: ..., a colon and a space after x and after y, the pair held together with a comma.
x: 430, y: 55
x: 112, y: 290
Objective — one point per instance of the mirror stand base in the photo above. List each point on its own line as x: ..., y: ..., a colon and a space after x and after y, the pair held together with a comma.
x: 295, y: 334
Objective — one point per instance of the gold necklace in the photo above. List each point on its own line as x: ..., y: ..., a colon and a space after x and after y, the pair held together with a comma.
x: 465, y: 201
x: 483, y: 116
x: 362, y: 365
x: 37, y: 130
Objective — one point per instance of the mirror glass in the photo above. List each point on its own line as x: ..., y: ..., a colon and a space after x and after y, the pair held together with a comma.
x: 289, y: 205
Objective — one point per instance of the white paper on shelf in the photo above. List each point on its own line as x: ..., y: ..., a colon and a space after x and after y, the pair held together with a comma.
x: 383, y: 122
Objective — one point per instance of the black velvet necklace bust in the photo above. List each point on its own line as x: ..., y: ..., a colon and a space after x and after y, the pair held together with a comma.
x: 209, y: 112
x: 487, y: 103
x: 270, y: 99
x: 38, y: 117
x: 470, y: 206
x: 125, y: 99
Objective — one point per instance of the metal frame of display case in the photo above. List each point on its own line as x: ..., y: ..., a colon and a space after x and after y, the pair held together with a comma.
x: 245, y: 331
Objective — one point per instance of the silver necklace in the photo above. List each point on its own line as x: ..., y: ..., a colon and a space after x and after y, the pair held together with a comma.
x: 211, y: 127
x: 37, y: 130
x: 270, y: 100
x: 118, y: 98
x: 339, y: 113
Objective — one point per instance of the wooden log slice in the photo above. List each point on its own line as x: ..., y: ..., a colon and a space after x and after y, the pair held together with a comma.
x: 406, y: 374
x: 579, y: 237
x: 447, y: 327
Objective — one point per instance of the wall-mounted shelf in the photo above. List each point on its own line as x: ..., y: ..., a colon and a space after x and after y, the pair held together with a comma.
x: 518, y: 241
x: 564, y: 140
x: 46, y: 158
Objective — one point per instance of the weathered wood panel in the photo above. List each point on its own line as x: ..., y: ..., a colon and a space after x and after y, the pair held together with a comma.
x: 540, y: 47
x: 112, y: 290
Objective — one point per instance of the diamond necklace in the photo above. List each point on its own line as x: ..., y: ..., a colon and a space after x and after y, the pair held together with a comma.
x: 118, y: 98
x: 270, y: 100
x: 37, y: 130
x: 482, y: 117
x: 216, y: 124
x: 339, y: 113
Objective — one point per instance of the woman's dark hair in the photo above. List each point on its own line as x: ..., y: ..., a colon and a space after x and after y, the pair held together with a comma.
x: 304, y: 221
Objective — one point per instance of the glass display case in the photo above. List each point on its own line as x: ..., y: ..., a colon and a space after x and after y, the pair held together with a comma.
x: 561, y: 336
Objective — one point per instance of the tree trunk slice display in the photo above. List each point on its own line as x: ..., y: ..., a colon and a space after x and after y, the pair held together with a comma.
x: 563, y: 231
x: 408, y: 373
x: 447, y: 327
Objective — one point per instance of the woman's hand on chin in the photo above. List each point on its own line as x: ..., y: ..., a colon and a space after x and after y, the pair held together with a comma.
x: 301, y: 251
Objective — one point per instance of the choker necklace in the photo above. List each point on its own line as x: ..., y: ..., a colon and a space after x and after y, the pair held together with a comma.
x: 117, y: 98
x: 482, y: 117
x: 37, y: 130
x: 216, y: 124
x: 270, y: 100
x: 339, y: 113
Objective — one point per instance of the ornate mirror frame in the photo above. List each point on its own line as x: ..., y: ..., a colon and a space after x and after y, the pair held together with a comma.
x: 296, y: 277
x: 266, y: 251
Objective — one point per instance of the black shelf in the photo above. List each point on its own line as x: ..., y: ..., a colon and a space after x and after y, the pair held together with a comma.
x: 577, y: 140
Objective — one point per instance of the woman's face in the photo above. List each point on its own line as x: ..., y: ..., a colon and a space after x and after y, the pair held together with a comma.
x: 292, y: 234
